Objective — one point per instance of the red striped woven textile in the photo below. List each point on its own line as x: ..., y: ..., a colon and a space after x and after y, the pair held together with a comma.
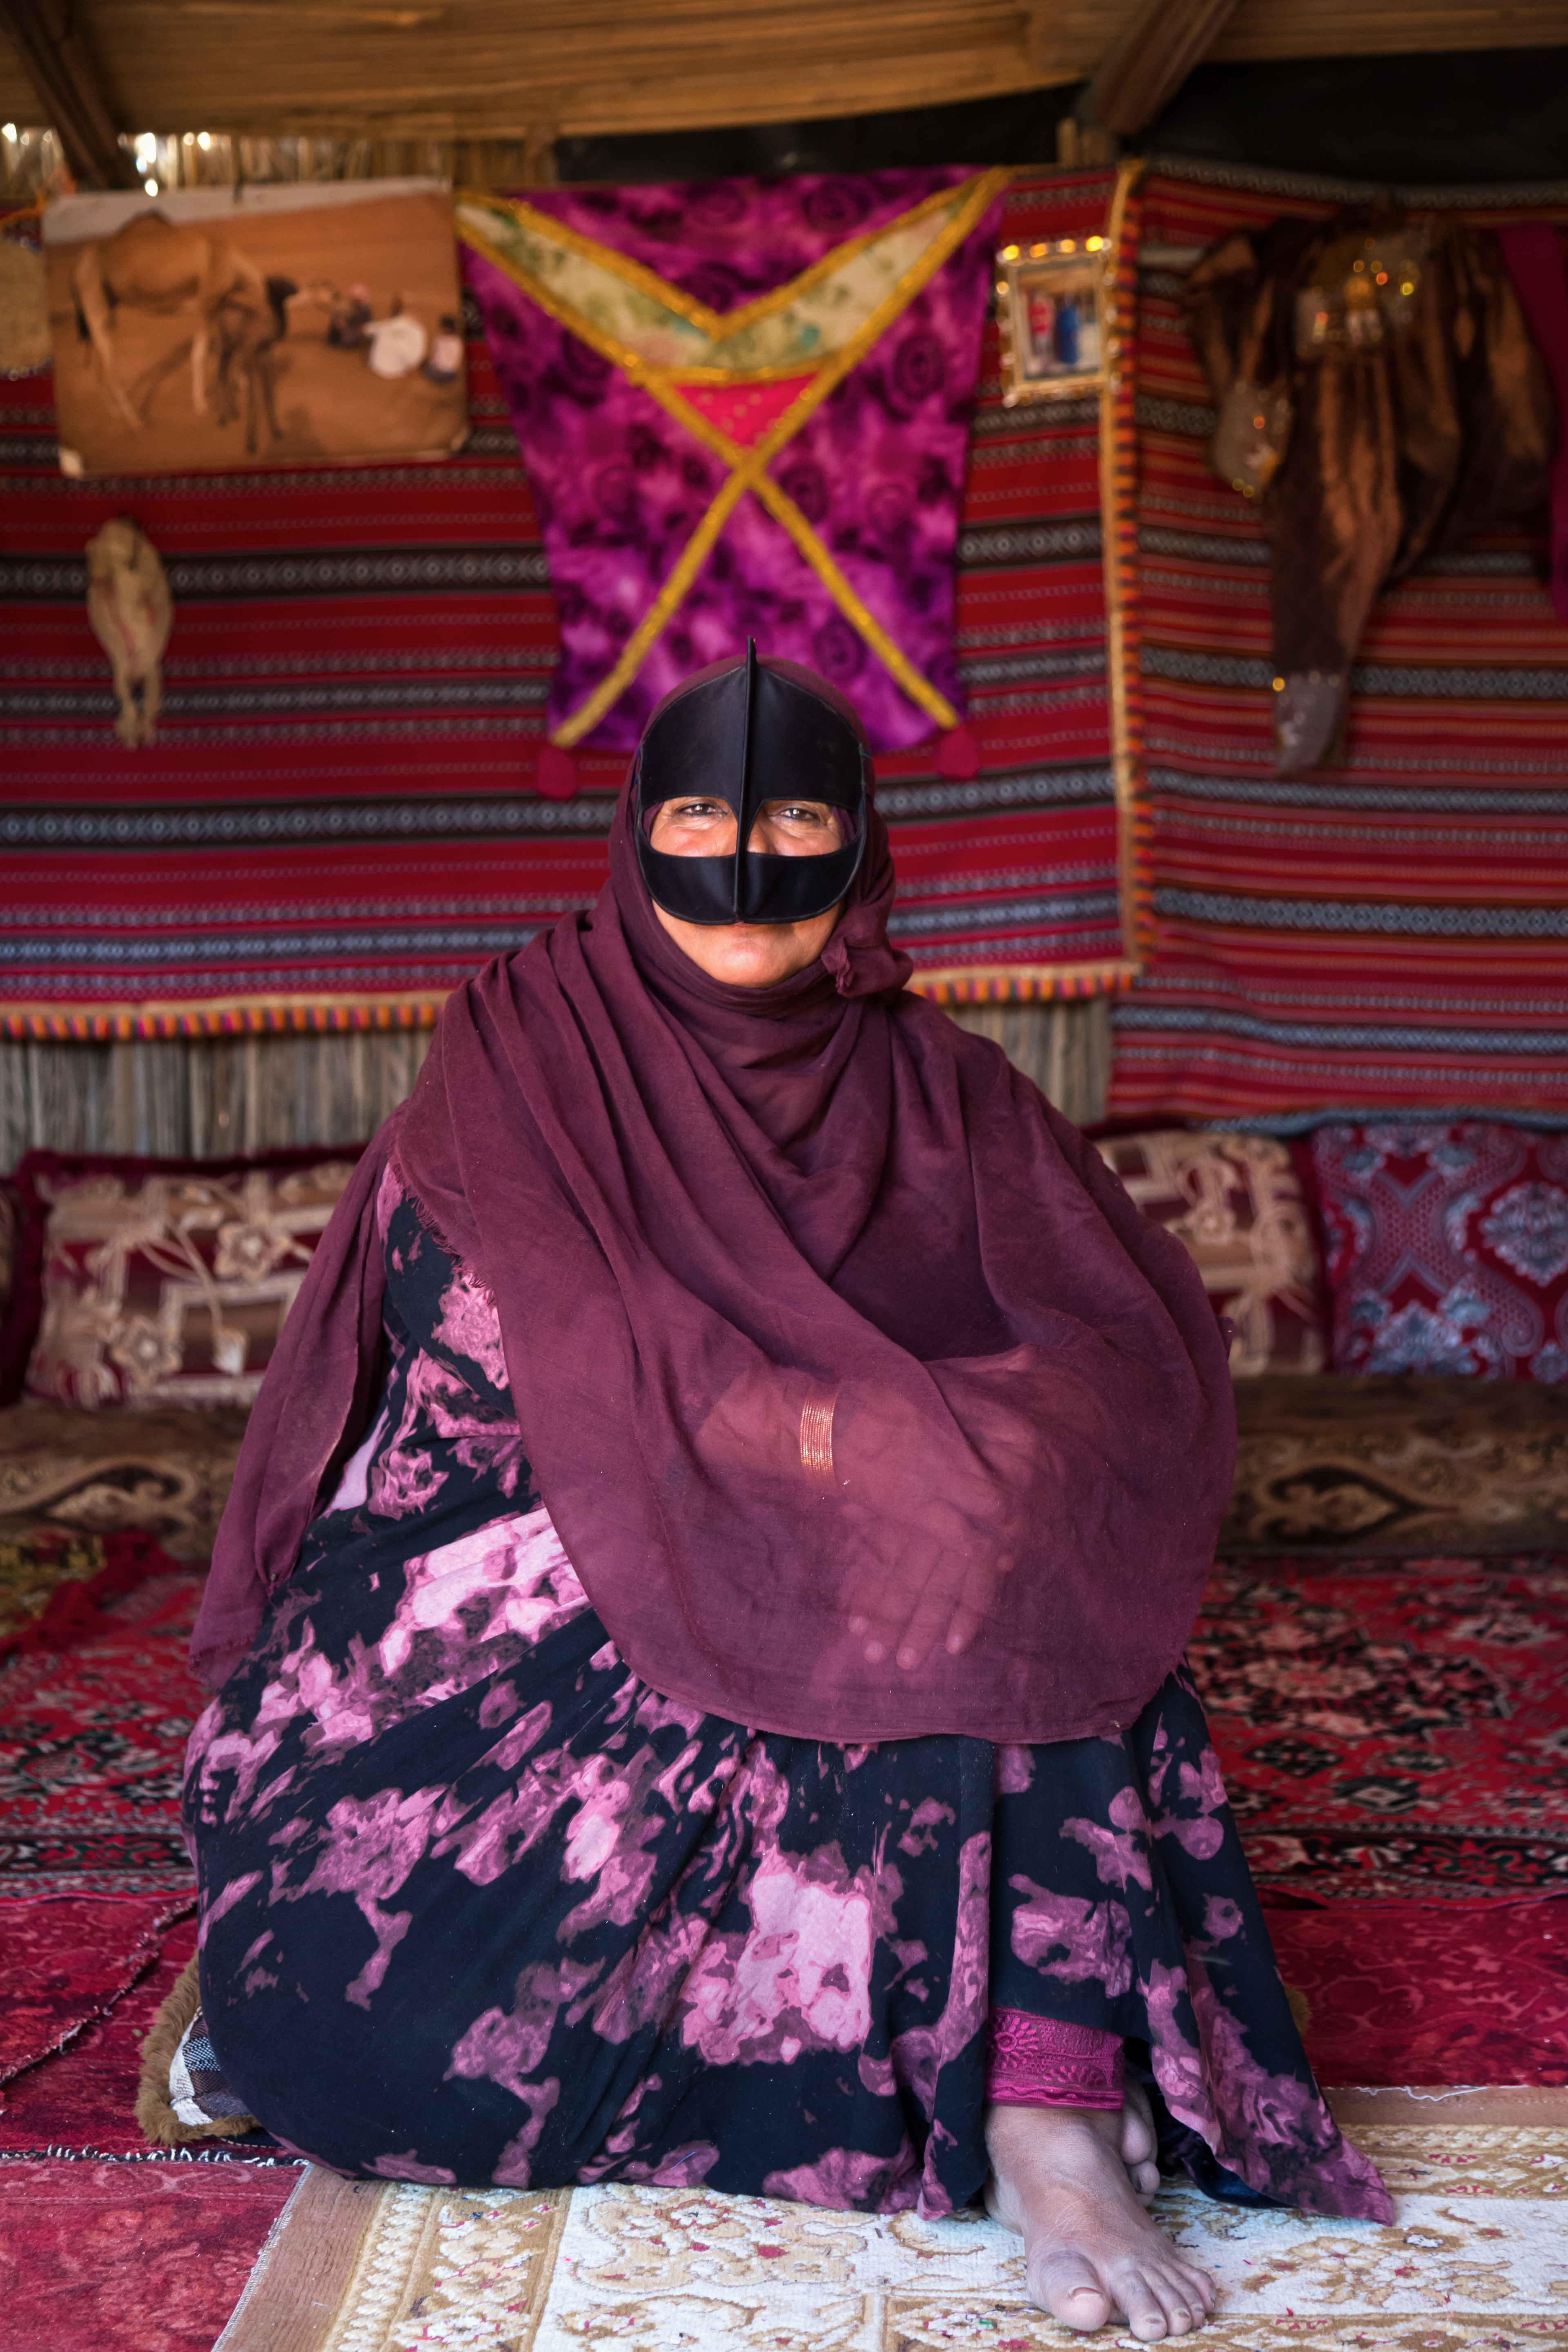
x: 338, y: 822
x: 1390, y: 932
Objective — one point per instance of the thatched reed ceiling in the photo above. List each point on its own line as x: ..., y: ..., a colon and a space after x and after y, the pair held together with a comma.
x: 478, y: 69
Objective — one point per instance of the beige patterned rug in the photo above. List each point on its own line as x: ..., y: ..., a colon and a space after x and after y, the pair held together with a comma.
x: 166, y: 1470
x: 1403, y: 1465
x: 1476, y: 2262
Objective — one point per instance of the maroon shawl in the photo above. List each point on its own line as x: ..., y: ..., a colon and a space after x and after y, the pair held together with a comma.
x: 710, y: 1216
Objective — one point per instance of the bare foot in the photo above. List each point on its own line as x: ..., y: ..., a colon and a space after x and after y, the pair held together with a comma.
x: 1139, y: 2143
x: 1058, y: 2177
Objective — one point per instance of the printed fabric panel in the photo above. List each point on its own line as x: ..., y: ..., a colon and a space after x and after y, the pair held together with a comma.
x: 744, y: 408
x: 1448, y: 1248
x: 1235, y: 1204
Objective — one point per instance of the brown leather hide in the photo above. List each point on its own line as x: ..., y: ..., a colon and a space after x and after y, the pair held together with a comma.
x: 1364, y: 459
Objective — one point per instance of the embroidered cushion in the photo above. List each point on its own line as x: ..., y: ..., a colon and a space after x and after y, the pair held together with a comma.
x: 1447, y: 1247
x: 165, y: 1282
x: 1236, y: 1204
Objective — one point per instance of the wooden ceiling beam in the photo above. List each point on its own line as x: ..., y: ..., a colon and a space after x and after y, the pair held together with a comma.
x: 1150, y: 60
x: 49, y: 37
x: 499, y: 68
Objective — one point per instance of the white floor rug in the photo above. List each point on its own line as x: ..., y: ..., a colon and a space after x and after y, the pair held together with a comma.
x: 1477, y: 2262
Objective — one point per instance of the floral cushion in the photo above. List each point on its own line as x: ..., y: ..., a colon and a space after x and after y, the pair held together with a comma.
x: 1448, y: 1248
x: 1235, y: 1202
x: 167, y: 1283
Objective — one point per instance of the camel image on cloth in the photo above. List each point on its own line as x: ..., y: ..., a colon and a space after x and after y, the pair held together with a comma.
x: 210, y: 328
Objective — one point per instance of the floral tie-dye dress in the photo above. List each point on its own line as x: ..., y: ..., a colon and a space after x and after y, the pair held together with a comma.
x: 479, y: 1905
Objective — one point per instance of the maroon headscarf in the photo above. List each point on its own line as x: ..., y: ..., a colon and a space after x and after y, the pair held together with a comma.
x: 864, y: 1401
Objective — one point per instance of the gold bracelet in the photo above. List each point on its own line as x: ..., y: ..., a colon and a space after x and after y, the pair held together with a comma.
x: 816, y: 1442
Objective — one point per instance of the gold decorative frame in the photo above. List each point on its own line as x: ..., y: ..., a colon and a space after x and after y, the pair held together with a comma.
x: 1045, y: 272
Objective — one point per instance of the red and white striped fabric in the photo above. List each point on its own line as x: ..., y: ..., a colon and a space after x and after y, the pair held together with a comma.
x: 338, y: 824
x: 1393, y: 931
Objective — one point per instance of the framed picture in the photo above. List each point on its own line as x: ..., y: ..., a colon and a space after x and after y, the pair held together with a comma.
x: 1052, y: 303
x: 294, y: 324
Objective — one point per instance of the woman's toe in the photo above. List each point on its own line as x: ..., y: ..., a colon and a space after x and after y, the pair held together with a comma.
x: 1068, y: 2289
x: 1196, y: 2287
x: 1183, y: 2298
x: 1200, y: 2287
x: 1138, y: 2145
x: 1133, y: 2293
x: 1138, y: 2135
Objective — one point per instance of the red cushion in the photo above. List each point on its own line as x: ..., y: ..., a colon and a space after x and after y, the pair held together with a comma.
x: 1235, y: 1204
x: 1446, y: 1247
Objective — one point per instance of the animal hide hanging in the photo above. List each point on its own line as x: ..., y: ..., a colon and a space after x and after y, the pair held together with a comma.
x: 1381, y: 396
x: 131, y: 613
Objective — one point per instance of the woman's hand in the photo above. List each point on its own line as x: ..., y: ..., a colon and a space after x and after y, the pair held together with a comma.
x: 936, y: 1524
x: 755, y: 1428
x: 916, y: 1590
x: 928, y: 1504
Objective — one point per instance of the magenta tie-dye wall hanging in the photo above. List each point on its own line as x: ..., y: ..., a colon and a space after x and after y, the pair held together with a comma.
x: 744, y: 406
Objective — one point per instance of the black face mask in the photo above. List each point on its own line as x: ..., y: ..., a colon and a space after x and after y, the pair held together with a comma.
x: 749, y: 737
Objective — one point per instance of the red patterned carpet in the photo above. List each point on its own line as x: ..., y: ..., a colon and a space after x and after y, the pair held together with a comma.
x: 91, y: 1742
x: 83, y: 2098
x: 1387, y: 1724
x: 1392, y: 1730
x: 150, y: 2256
x: 57, y: 1589
x: 92, y: 1866
x: 1424, y: 1992
x: 64, y: 1959
x: 103, y: 2246
x: 129, y: 2258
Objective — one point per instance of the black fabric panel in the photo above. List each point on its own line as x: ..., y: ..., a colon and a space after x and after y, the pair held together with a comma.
x: 1448, y: 117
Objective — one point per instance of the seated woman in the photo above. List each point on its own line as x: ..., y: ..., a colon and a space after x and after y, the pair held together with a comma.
x: 699, y: 1618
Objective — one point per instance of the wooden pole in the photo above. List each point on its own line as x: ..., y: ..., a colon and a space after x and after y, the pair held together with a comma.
x: 57, y: 56
x: 1146, y: 66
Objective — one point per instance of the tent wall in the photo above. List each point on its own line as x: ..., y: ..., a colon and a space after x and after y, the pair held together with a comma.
x: 211, y: 1096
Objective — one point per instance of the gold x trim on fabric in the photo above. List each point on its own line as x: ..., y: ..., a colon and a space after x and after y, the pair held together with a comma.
x: 780, y: 334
